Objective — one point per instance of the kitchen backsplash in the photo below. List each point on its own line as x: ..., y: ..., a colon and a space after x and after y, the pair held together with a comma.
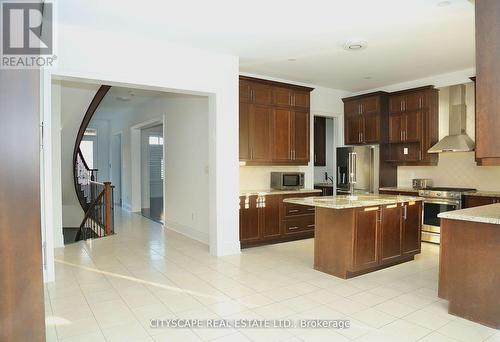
x: 456, y: 169
x: 259, y: 177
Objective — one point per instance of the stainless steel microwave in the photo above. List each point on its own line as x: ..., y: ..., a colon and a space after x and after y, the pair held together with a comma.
x: 287, y: 180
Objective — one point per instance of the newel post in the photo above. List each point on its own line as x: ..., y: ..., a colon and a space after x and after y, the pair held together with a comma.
x: 108, y: 207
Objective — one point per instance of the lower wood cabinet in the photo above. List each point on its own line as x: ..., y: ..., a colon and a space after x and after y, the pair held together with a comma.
x: 476, y: 201
x: 385, y: 234
x: 266, y: 219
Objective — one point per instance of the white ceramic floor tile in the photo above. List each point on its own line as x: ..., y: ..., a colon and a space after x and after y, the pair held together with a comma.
x: 405, y: 331
x: 465, y: 331
x: 428, y: 319
x: 394, y: 308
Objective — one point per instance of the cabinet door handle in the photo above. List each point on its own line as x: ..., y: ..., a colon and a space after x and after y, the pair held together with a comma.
x: 405, y: 212
x: 293, y: 228
x: 401, y: 135
x: 310, y: 209
x: 293, y: 210
x: 380, y: 216
x: 401, y: 105
x: 310, y: 226
x: 315, y: 158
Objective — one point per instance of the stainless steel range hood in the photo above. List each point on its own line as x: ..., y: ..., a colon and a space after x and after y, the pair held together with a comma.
x: 457, y: 140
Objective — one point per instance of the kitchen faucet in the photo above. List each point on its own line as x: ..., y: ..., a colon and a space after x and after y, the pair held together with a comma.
x: 328, y: 178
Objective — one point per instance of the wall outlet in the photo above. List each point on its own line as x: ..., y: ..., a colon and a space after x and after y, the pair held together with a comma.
x: 405, y: 150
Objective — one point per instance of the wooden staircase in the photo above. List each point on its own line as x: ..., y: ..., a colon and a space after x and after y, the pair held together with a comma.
x: 96, y: 199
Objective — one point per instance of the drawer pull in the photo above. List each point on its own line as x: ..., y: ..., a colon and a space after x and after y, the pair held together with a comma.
x: 293, y: 210
x: 310, y: 209
x: 310, y: 226
x: 293, y: 227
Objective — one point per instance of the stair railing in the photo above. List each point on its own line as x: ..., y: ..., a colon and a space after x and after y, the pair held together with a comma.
x: 84, y: 177
x: 99, y: 217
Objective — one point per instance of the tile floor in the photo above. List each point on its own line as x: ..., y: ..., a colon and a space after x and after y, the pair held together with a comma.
x: 109, y: 289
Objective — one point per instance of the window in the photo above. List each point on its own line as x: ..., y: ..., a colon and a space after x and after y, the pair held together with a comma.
x: 155, y: 140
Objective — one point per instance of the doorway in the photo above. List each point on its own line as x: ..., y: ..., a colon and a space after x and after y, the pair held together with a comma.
x: 152, y: 173
x: 324, y: 155
x: 116, y: 167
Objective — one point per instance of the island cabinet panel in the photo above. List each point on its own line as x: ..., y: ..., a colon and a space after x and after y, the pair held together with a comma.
x: 477, y: 201
x: 271, y: 220
x: 412, y: 222
x: 366, y: 238
x: 274, y: 122
x: 390, y: 232
x: 351, y: 242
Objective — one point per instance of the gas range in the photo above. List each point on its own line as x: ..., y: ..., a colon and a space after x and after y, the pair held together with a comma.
x: 438, y: 200
x: 444, y: 192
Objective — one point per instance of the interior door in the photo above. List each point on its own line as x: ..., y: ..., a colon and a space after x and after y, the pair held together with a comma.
x: 22, y: 314
x: 282, y: 131
x: 301, y: 136
x: 116, y: 167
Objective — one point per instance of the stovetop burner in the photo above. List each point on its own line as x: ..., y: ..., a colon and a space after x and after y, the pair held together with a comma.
x: 442, y: 188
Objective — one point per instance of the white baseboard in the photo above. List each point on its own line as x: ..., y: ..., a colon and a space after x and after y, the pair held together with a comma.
x: 187, y: 231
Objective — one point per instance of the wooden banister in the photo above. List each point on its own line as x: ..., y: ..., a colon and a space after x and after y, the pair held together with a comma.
x: 108, y: 207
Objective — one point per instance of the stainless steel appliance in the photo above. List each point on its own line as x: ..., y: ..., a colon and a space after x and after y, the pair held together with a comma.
x: 421, y: 183
x: 287, y: 180
x: 357, y: 169
x: 438, y: 200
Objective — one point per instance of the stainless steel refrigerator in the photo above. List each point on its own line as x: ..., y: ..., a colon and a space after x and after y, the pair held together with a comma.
x: 357, y: 169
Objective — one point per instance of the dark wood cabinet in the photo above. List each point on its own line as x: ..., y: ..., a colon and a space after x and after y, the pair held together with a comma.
x: 471, y: 201
x: 319, y: 141
x: 413, y: 126
x: 274, y: 123
x: 412, y: 223
x: 249, y: 219
x: 390, y: 232
x: 365, y: 118
x: 266, y: 219
x: 366, y: 238
x: 487, y: 82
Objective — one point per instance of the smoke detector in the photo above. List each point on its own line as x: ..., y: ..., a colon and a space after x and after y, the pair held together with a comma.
x: 354, y: 45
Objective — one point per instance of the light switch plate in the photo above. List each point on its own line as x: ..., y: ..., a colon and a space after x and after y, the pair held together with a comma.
x: 405, y: 150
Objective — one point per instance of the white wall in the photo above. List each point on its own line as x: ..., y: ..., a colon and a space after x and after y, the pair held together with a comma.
x: 319, y: 171
x: 457, y: 168
x: 324, y: 102
x: 109, y: 57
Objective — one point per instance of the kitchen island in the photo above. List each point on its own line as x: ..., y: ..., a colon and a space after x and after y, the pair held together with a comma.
x: 469, y: 263
x: 360, y: 234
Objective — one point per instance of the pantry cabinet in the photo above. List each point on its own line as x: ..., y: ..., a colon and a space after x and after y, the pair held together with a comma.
x: 274, y: 123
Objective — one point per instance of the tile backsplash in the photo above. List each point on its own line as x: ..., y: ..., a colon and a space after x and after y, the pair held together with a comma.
x: 456, y: 169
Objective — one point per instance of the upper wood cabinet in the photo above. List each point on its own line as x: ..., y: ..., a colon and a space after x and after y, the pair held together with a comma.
x: 274, y: 123
x: 319, y: 141
x: 487, y: 82
x: 365, y: 117
x: 413, y: 126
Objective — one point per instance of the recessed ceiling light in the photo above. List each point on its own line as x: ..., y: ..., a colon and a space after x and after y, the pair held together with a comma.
x: 367, y: 78
x: 123, y: 98
x: 292, y: 59
x: 443, y: 3
x: 354, y: 45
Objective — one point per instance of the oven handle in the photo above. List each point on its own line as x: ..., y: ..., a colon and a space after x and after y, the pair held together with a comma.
x: 457, y: 203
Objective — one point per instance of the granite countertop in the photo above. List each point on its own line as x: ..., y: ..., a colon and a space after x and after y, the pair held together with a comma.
x: 276, y: 192
x: 484, y: 193
x: 396, y: 189
x: 330, y: 185
x: 484, y: 214
x: 347, y: 202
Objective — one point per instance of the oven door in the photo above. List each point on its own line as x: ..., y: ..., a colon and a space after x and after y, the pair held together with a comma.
x: 433, y: 207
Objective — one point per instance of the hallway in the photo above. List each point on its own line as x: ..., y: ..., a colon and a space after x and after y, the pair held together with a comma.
x: 108, y: 290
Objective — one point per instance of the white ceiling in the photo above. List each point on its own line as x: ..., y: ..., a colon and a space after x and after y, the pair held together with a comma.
x: 406, y: 39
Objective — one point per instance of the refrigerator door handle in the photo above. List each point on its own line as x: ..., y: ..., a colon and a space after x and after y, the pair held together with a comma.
x: 349, y: 167
x: 354, y: 161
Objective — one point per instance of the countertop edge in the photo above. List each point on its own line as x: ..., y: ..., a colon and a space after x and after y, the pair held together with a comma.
x: 269, y: 192
x: 480, y: 214
x: 308, y: 201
